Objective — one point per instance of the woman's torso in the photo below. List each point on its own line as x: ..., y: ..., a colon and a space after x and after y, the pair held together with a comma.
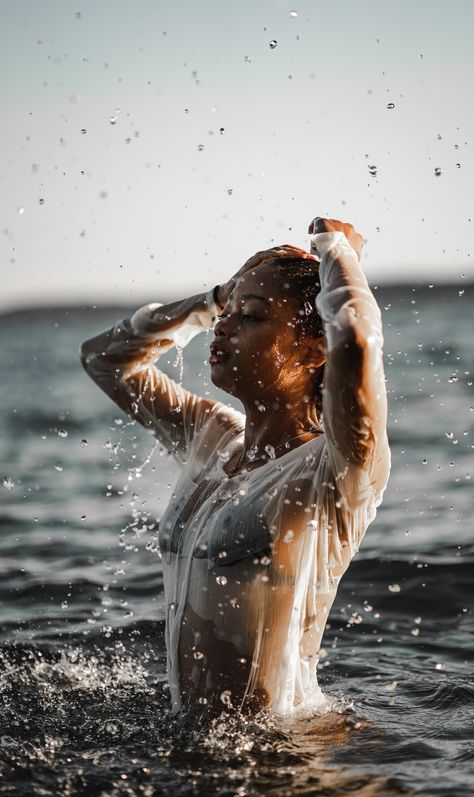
x: 242, y: 561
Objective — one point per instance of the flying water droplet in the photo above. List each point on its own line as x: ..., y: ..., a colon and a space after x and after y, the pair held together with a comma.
x: 8, y: 482
x: 62, y: 433
x: 373, y: 170
x: 293, y: 13
x: 270, y: 451
x: 198, y: 655
x: 273, y: 44
x: 221, y: 580
x: 288, y: 537
x: 437, y: 172
x: 390, y: 106
x: 394, y: 587
x: 226, y: 696
x: 252, y: 453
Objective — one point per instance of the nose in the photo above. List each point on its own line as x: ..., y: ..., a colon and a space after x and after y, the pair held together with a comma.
x: 221, y: 328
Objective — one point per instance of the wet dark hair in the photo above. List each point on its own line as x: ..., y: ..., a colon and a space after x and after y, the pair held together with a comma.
x: 300, y: 277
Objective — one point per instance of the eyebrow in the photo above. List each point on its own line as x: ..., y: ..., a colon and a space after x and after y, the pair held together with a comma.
x: 255, y: 296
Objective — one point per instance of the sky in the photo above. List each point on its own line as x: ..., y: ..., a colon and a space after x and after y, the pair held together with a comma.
x: 149, y: 148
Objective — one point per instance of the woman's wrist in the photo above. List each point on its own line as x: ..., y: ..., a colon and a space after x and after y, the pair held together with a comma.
x: 323, y: 242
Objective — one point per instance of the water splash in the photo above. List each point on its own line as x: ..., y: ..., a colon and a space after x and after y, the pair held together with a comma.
x: 179, y: 363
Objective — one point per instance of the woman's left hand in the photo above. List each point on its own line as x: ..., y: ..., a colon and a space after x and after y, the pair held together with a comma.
x: 355, y: 239
x: 259, y: 259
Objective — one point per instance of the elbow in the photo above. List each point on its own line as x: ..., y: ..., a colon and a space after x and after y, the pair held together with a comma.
x: 95, y: 349
x: 87, y: 353
x: 94, y: 359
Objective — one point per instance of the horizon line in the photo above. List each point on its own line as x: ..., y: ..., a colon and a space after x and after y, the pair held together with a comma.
x: 398, y: 286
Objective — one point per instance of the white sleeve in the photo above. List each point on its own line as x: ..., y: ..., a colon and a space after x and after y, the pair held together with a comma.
x: 354, y: 393
x: 121, y: 362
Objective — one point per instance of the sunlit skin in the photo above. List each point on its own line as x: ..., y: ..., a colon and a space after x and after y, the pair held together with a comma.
x: 259, y: 356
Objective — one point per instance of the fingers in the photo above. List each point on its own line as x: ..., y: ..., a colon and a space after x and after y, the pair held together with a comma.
x: 270, y: 254
x: 320, y: 224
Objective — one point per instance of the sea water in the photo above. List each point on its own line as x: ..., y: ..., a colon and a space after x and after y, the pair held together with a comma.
x: 84, y: 703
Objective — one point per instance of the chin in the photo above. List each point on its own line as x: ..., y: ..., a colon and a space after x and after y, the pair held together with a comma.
x: 221, y: 378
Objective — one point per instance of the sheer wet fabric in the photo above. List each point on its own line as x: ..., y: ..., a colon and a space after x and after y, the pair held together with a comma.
x: 252, y: 563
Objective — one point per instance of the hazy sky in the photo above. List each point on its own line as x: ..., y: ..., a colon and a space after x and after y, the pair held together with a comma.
x: 148, y: 148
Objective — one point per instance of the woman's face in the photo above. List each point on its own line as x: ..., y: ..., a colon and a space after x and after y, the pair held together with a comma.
x: 257, y: 352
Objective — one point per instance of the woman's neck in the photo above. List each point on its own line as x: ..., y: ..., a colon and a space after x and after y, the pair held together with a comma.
x: 279, y: 423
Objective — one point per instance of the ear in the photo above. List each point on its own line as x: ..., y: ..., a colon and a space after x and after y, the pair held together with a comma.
x: 316, y: 353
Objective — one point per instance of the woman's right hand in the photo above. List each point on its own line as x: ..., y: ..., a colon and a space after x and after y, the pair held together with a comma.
x: 259, y: 259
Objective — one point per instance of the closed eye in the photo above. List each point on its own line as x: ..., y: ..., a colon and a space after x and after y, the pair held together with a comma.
x: 244, y: 317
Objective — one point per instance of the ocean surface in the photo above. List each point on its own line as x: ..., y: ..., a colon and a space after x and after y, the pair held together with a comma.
x: 83, y: 695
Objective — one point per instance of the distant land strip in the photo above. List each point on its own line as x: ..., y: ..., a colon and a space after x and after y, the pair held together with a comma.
x: 397, y: 293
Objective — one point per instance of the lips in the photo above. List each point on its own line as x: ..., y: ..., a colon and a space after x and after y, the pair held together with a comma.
x: 218, y: 353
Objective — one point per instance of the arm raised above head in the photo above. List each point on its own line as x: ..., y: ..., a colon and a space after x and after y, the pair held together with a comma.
x: 354, y: 395
x: 121, y: 362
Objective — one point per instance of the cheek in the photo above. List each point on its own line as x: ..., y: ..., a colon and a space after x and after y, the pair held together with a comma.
x: 257, y: 345
x: 262, y: 358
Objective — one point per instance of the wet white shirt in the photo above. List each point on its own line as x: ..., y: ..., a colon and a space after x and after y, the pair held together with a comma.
x: 252, y: 563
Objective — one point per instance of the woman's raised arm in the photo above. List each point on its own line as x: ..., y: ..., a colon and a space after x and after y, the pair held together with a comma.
x: 354, y: 395
x: 121, y: 362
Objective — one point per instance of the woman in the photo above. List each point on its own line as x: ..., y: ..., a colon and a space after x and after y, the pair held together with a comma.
x: 270, y: 507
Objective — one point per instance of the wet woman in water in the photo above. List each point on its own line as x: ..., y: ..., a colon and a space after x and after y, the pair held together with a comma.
x: 271, y: 503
